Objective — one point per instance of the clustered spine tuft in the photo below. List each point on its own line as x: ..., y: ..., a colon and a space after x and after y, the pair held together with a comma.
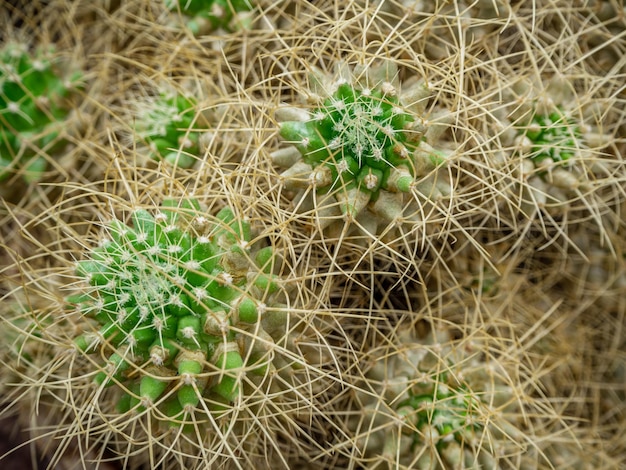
x: 170, y: 296
x: 33, y: 109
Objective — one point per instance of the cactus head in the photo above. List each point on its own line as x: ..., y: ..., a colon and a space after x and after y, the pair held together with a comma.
x: 169, y: 297
x: 366, y: 137
x: 34, y: 109
x: 209, y: 15
x: 436, y: 403
x: 168, y: 124
x: 552, y: 136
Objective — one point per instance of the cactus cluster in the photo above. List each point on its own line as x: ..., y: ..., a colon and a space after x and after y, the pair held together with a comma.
x: 172, y: 297
x: 440, y: 404
x: 169, y: 124
x: 365, y: 144
x: 33, y: 109
x: 208, y: 15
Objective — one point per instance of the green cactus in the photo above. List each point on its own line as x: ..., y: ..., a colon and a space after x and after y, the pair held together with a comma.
x: 33, y: 109
x: 555, y: 141
x: 553, y: 136
x: 435, y: 404
x: 208, y: 15
x: 171, y: 296
x: 168, y: 123
x: 366, y: 141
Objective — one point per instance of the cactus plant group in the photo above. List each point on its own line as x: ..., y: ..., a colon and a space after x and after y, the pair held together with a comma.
x: 364, y: 240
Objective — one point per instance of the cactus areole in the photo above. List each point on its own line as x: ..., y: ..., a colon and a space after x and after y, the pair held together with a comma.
x: 168, y: 296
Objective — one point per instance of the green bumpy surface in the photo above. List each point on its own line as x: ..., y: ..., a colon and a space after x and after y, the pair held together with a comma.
x: 553, y: 137
x: 167, y: 295
x: 449, y: 413
x: 169, y: 123
x: 32, y: 109
x: 219, y: 13
x: 358, y: 137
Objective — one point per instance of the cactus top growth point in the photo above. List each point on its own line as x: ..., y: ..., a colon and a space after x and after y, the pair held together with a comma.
x: 556, y: 139
x: 170, y: 297
x: 169, y: 125
x: 366, y: 136
x: 437, y: 404
x: 208, y: 15
x: 33, y: 109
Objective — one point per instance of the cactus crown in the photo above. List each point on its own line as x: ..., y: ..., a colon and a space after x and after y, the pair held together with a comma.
x: 553, y: 136
x: 32, y: 108
x: 170, y: 295
x: 356, y: 138
x: 445, y: 413
x: 219, y: 13
x: 167, y: 123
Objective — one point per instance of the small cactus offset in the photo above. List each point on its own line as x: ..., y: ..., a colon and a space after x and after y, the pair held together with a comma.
x: 169, y: 124
x: 364, y: 145
x: 557, y: 144
x: 33, y: 109
x: 170, y: 298
x: 204, y: 16
x: 436, y: 403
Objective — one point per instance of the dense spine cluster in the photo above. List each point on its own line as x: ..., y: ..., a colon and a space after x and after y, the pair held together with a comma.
x: 33, y: 109
x: 171, y: 295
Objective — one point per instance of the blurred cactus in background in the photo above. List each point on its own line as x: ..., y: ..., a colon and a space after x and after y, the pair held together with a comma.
x: 34, y: 109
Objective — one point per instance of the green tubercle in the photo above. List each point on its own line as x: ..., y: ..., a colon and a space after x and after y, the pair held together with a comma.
x: 168, y: 300
x: 34, y: 109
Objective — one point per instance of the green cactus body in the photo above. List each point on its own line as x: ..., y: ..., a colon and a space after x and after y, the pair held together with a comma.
x: 208, y: 15
x: 556, y: 145
x: 358, y: 137
x: 33, y: 109
x: 437, y: 398
x: 365, y: 139
x: 445, y: 412
x: 170, y: 296
x: 168, y: 124
x: 553, y: 136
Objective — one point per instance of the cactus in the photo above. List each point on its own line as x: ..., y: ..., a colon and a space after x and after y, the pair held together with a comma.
x: 170, y: 295
x: 436, y: 403
x: 207, y: 15
x: 363, y: 147
x: 556, y: 144
x: 169, y: 125
x: 33, y: 109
